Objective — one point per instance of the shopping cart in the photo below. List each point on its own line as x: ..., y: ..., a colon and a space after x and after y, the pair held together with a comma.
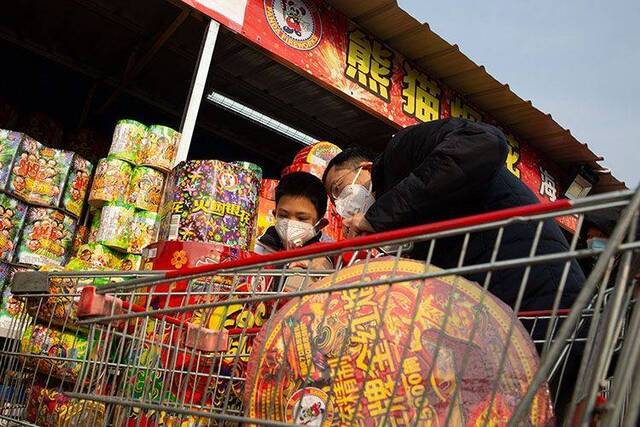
x: 381, y: 340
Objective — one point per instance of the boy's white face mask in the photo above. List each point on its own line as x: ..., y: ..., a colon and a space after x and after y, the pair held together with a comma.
x: 354, y: 199
x: 294, y: 234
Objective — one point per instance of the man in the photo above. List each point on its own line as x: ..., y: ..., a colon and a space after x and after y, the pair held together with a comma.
x: 446, y: 169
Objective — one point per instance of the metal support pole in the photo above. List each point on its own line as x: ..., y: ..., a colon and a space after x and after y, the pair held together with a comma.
x: 198, y: 83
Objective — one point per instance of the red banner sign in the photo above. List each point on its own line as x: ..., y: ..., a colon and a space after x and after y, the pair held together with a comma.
x: 311, y: 36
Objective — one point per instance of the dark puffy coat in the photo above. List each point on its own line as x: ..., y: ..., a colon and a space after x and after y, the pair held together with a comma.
x: 452, y: 168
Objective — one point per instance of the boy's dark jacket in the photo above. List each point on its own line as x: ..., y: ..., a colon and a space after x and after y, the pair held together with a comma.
x: 451, y: 168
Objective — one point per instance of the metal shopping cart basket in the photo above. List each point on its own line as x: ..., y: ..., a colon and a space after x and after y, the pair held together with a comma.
x: 382, y: 340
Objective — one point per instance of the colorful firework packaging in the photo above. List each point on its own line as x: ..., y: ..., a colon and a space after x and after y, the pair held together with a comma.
x: 159, y: 147
x: 58, y: 309
x: 94, y: 226
x: 319, y: 154
x: 9, y: 143
x: 75, y: 190
x: 12, y: 216
x: 94, y: 256
x: 79, y: 239
x: 10, y: 307
x: 145, y: 189
x: 210, y: 201
x: 129, y: 262
x: 172, y: 255
x: 266, y: 206
x: 65, y: 350
x: 48, y: 407
x: 144, y: 231
x: 315, y: 170
x: 127, y: 139
x: 39, y: 173
x: 319, y: 364
x: 46, y: 238
x: 110, y: 182
x: 251, y: 167
x: 115, y: 225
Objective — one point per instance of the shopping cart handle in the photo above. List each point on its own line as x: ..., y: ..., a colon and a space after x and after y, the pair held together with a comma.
x: 97, y: 305
x: 206, y: 340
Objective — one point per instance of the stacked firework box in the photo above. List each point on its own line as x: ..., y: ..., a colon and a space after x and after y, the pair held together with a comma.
x: 43, y: 195
x: 125, y: 197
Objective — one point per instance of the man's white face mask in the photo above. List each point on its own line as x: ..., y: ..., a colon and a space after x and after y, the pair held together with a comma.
x: 294, y: 234
x: 354, y: 199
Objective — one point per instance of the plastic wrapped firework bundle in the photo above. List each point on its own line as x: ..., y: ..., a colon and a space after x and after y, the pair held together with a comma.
x: 48, y: 407
x: 110, y: 182
x: 94, y: 226
x: 144, y: 231
x: 9, y: 143
x: 115, y: 225
x: 145, y: 189
x: 75, y: 190
x: 210, y: 201
x: 127, y: 140
x: 68, y: 348
x: 159, y: 147
x: 47, y: 237
x: 59, y: 308
x: 12, y: 215
x: 39, y: 173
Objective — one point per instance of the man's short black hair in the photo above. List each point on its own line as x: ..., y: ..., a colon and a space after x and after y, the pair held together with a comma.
x: 303, y: 184
x: 351, y: 157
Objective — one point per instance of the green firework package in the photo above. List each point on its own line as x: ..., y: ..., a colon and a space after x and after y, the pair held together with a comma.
x: 39, y: 173
x: 75, y: 190
x: 46, y: 237
x: 127, y: 140
x: 9, y: 144
x: 12, y: 215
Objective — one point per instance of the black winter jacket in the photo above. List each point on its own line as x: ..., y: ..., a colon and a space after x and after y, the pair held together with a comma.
x: 451, y: 168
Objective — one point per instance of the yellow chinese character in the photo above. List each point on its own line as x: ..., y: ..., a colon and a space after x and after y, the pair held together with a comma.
x: 200, y: 205
x: 420, y: 95
x: 244, y: 217
x: 513, y: 157
x: 462, y: 110
x: 363, y: 296
x: 375, y: 391
x: 382, y: 357
x: 369, y: 64
x: 231, y: 209
x: 217, y: 208
x: 345, y: 392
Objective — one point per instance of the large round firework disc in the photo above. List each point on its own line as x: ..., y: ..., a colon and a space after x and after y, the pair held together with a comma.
x: 380, y: 354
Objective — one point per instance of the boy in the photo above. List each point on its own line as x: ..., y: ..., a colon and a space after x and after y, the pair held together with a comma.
x: 301, y: 203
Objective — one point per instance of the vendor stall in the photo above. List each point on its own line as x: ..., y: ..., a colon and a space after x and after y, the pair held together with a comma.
x: 150, y: 135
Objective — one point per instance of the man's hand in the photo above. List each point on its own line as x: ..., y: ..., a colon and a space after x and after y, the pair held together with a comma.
x: 357, y: 225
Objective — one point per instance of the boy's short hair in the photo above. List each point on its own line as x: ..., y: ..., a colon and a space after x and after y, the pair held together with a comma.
x: 303, y: 184
x: 352, y: 156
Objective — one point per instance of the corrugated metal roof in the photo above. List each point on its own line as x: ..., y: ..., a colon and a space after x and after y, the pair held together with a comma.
x: 443, y: 61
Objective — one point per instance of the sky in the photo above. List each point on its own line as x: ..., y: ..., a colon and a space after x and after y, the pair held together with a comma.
x: 576, y: 59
